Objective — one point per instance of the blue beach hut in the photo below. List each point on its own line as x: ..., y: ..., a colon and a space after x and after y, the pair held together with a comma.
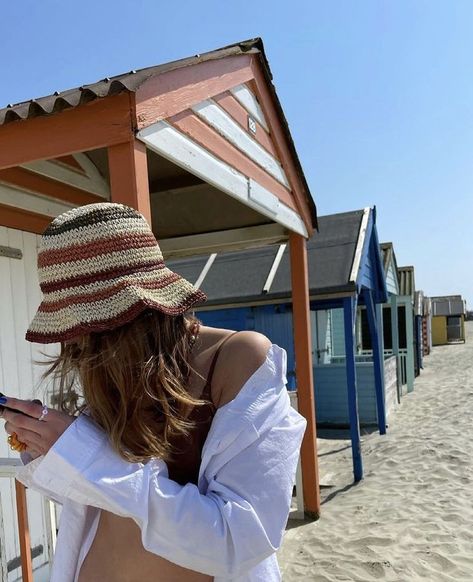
x: 250, y: 289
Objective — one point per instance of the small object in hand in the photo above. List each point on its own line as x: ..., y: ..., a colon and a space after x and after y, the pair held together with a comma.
x: 15, y: 444
x: 44, y: 412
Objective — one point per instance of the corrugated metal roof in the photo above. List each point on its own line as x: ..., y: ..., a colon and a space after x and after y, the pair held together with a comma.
x: 448, y: 305
x: 130, y: 81
x: 407, y: 284
x: 239, y: 277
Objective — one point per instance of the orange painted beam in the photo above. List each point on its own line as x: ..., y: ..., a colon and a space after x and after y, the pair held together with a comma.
x: 280, y: 140
x: 24, y: 533
x: 128, y: 168
x: 12, y: 217
x: 90, y: 126
x: 304, y: 372
x: 179, y: 89
x: 38, y: 184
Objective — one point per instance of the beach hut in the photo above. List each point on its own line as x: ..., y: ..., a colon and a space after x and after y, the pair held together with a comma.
x: 448, y: 319
x: 427, y: 327
x: 250, y: 290
x: 407, y: 338
x: 390, y: 324
x: 202, y: 149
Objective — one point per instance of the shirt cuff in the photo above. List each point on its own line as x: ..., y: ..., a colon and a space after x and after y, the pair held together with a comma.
x: 70, y: 454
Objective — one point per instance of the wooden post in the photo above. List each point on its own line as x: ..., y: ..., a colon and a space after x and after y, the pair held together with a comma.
x: 349, y: 311
x: 410, y: 340
x: 23, y: 533
x: 129, y: 176
x: 304, y: 372
x: 378, y: 358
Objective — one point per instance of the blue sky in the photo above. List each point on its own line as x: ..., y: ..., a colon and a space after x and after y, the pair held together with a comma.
x: 378, y: 95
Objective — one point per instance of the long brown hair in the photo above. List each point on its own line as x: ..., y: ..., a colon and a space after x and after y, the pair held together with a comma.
x: 133, y: 380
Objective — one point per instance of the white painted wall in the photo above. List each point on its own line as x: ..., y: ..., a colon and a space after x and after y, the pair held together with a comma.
x: 20, y: 296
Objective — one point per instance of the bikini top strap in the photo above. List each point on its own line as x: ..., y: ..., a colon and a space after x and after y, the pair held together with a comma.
x: 214, y: 360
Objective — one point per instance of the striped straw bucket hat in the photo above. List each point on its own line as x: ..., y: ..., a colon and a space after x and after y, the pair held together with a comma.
x: 99, y: 267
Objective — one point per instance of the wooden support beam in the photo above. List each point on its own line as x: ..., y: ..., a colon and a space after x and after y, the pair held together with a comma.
x: 32, y: 182
x: 23, y: 533
x: 349, y: 309
x: 128, y: 168
x: 22, y: 219
x: 374, y: 323
x: 221, y: 241
x: 304, y: 372
x: 94, y: 125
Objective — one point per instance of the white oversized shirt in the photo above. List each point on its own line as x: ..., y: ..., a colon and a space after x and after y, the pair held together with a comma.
x: 228, y: 526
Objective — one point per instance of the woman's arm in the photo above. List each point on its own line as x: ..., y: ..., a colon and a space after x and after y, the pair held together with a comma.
x: 234, y: 526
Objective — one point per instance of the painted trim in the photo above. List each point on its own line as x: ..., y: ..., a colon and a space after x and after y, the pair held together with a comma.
x: 274, y: 268
x: 89, y: 183
x: 220, y: 241
x: 349, y: 314
x: 234, y: 108
x: 217, y: 118
x: 287, y: 156
x: 359, y: 246
x: 171, y: 92
x: 101, y: 123
x: 205, y: 270
x: 196, y: 129
x: 180, y: 149
x: 19, y: 219
x: 249, y: 101
x: 17, y: 198
x: 38, y: 185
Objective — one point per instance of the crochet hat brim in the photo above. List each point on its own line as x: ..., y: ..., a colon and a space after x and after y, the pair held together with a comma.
x: 61, y: 320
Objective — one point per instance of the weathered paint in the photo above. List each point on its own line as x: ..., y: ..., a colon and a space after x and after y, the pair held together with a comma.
x: 304, y: 371
x: 97, y: 124
x: 377, y: 359
x: 174, y: 91
x: 128, y: 169
x: 199, y: 132
x: 174, y: 145
x: 439, y: 330
x: 350, y: 314
x: 234, y: 108
x: 221, y: 122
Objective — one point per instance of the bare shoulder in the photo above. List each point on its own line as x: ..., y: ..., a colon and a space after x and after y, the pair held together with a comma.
x: 239, y: 359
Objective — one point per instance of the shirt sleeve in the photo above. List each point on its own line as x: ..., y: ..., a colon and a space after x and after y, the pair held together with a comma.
x: 236, y: 524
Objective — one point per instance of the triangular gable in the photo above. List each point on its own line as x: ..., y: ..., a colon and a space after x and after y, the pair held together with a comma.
x: 370, y: 270
x: 227, y: 107
x: 392, y: 282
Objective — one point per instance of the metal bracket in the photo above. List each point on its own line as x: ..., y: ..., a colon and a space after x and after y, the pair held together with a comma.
x: 10, y: 253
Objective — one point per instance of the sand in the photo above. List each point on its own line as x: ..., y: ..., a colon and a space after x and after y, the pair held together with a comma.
x: 411, y: 518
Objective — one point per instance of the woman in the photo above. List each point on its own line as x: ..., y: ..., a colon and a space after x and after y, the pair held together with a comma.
x: 174, y: 448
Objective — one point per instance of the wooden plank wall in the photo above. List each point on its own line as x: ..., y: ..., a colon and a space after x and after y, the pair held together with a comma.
x: 20, y: 296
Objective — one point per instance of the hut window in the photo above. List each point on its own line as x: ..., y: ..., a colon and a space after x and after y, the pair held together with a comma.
x: 365, y: 332
x: 387, y: 329
x: 401, y: 314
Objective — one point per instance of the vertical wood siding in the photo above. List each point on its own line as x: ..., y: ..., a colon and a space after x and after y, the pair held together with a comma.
x: 20, y: 296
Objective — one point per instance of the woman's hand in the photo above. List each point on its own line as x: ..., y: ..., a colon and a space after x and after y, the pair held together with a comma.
x: 38, y: 435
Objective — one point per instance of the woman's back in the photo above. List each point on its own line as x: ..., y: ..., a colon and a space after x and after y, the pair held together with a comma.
x: 117, y: 553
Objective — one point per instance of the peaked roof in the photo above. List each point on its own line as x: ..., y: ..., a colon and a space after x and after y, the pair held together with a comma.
x: 130, y: 81
x: 388, y: 254
x: 448, y: 305
x: 240, y: 277
x: 407, y: 284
